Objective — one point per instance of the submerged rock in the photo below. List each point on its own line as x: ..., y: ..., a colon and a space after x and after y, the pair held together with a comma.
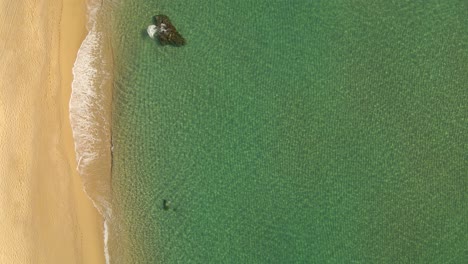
x: 166, y: 32
x: 166, y: 204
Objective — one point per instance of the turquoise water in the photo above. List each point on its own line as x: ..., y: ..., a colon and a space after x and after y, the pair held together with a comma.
x: 291, y: 132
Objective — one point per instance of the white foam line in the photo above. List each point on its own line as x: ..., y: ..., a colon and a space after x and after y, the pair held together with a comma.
x: 78, y: 165
x: 106, y: 238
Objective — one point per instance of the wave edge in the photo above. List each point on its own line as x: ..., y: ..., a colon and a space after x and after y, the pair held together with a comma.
x: 90, y: 109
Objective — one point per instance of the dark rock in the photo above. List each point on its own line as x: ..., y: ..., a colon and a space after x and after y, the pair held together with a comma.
x: 166, y: 204
x: 167, y: 33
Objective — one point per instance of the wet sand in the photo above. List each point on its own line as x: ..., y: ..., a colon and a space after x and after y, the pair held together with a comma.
x: 45, y: 215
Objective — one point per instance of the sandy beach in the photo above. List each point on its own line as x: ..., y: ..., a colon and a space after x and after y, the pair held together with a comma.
x: 45, y: 216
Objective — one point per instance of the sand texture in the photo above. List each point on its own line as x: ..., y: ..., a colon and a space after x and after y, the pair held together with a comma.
x: 45, y: 216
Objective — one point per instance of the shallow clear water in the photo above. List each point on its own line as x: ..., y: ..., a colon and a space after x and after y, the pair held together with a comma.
x: 291, y: 132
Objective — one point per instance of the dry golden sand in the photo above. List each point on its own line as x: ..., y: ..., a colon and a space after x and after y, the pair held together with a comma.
x: 45, y: 217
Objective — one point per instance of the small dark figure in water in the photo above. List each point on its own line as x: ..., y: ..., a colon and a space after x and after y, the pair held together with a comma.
x: 166, y: 204
x: 166, y: 32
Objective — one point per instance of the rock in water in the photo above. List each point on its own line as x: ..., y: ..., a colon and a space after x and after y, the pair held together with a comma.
x: 166, y: 204
x: 167, y: 33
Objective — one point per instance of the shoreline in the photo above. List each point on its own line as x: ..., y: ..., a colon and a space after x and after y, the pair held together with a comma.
x: 46, y: 215
x: 91, y: 222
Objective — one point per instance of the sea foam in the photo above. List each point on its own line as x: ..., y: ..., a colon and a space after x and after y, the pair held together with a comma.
x: 90, y: 118
x: 152, y: 31
x: 90, y: 114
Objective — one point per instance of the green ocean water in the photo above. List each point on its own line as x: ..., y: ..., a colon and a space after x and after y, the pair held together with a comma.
x: 291, y: 132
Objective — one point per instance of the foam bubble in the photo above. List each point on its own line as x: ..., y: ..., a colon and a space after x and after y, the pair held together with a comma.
x: 152, y: 31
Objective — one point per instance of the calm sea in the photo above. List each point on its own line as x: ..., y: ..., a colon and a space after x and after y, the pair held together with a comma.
x: 290, y: 132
